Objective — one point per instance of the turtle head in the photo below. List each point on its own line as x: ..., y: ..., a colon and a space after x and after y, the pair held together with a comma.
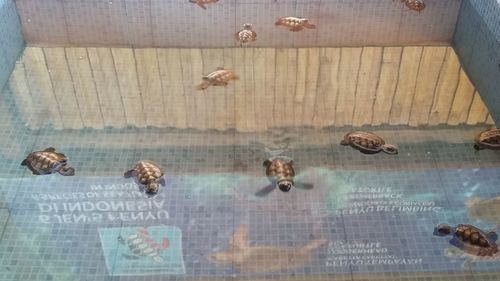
x: 285, y: 185
x: 247, y: 26
x: 390, y: 149
x: 152, y: 188
x: 442, y: 230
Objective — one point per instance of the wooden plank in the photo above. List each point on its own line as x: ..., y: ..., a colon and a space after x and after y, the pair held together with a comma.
x: 300, y: 89
x: 386, y: 88
x: 291, y: 86
x: 173, y: 89
x: 405, y: 89
x: 270, y: 86
x: 350, y: 59
x: 329, y: 84
x: 478, y: 111
x: 85, y: 90
x: 151, y: 88
x: 249, y: 90
x: 189, y: 83
x: 18, y: 83
x: 47, y: 106
x: 64, y: 90
x: 103, y: 68
x: 462, y: 100
x: 311, y: 87
x: 230, y: 89
x: 262, y: 115
x: 489, y: 120
x: 239, y: 90
x: 281, y: 85
x: 63, y: 87
x: 427, y: 78
x: 200, y: 99
x: 319, y: 110
x: 445, y: 89
x: 368, y: 78
x: 126, y: 73
x: 216, y: 97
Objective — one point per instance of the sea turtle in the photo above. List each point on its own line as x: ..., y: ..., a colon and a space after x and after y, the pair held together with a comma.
x: 48, y: 161
x: 259, y: 259
x: 246, y: 35
x: 147, y: 173
x: 488, y: 139
x: 470, y: 239
x: 368, y: 143
x: 280, y: 172
x: 219, y: 77
x: 202, y: 3
x: 295, y: 23
x: 416, y: 5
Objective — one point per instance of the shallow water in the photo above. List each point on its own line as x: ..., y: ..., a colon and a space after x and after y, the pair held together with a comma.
x: 376, y: 212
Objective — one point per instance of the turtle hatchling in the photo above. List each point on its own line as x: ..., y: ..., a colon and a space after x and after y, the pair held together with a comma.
x: 368, y: 143
x: 219, y: 77
x: 280, y: 172
x: 48, y: 161
x: 149, y: 174
x: 470, y: 239
x: 488, y: 139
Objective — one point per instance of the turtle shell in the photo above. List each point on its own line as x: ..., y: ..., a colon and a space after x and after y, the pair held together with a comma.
x: 45, y: 162
x: 489, y: 139
x: 279, y: 169
x: 364, y: 141
x: 148, y: 172
x: 474, y: 238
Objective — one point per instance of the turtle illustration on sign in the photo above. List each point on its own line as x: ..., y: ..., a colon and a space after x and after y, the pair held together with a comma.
x: 140, y: 244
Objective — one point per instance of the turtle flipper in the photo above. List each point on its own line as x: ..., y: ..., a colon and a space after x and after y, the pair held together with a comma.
x: 130, y: 173
x: 25, y: 162
x: 492, y: 235
x: 67, y: 171
x: 130, y: 257
x: 265, y: 190
x: 305, y: 186
x: 50, y: 149
x: 267, y: 163
x: 162, y: 181
x: 201, y: 5
x: 309, y: 25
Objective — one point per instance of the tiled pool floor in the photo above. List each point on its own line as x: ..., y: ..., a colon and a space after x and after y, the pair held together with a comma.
x: 368, y: 217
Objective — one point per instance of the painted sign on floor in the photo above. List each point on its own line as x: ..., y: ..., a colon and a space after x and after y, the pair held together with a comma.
x: 143, y: 250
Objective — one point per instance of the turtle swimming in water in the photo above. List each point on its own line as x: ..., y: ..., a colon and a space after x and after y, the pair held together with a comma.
x: 470, y: 239
x: 488, y: 139
x: 147, y: 173
x: 280, y: 172
x: 259, y: 259
x: 368, y: 143
x: 219, y: 77
x: 48, y: 161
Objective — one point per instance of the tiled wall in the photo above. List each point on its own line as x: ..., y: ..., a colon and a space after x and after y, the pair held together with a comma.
x: 178, y: 23
x: 477, y: 42
x: 11, y: 41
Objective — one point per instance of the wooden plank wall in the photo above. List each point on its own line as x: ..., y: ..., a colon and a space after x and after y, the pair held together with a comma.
x: 73, y: 88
